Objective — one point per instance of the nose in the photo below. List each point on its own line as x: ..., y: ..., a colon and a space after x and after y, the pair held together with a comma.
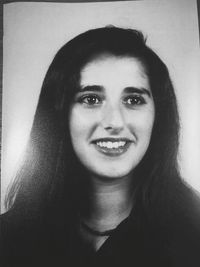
x: 113, y: 119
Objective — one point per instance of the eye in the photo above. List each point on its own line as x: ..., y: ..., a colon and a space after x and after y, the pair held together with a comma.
x: 90, y: 100
x: 134, y: 100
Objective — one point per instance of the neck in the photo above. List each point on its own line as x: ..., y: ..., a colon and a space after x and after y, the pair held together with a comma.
x: 108, y: 203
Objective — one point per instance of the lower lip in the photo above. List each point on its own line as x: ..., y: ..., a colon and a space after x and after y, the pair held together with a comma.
x: 113, y: 152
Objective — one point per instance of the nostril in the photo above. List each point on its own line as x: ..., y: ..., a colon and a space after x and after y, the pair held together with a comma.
x: 113, y: 120
x: 108, y: 127
x: 113, y: 128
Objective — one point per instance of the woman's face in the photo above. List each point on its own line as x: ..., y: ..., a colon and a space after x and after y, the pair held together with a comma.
x: 112, y: 116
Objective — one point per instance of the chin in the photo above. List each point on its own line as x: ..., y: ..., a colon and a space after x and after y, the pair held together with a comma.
x: 112, y: 174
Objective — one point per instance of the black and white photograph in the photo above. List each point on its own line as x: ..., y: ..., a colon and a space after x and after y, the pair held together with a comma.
x: 100, y: 134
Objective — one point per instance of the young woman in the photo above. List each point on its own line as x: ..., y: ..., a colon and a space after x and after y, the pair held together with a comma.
x: 100, y: 185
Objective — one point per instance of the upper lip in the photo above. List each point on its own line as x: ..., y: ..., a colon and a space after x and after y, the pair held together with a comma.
x: 112, y: 139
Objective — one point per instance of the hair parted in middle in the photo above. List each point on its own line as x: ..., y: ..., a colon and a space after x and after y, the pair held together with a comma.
x: 51, y: 172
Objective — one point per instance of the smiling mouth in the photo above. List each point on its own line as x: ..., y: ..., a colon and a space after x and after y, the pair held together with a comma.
x: 112, y: 147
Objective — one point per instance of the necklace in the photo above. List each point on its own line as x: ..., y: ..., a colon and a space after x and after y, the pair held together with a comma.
x: 96, y: 232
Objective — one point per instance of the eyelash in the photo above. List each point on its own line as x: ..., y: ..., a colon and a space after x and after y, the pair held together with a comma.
x: 137, y: 99
x: 95, y: 100
x: 84, y: 100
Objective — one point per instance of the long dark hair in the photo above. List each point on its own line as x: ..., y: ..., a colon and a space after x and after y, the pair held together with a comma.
x: 50, y: 173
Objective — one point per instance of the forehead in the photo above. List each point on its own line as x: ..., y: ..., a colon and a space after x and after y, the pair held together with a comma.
x: 114, y: 70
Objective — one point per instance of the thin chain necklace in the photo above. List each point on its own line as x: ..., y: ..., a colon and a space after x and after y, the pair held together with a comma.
x: 96, y: 232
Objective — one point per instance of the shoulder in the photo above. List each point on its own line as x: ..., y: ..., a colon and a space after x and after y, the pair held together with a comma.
x: 9, y: 225
x: 20, y: 239
x: 185, y: 209
x: 174, y: 225
x: 29, y: 240
x: 184, y: 228
x: 13, y: 223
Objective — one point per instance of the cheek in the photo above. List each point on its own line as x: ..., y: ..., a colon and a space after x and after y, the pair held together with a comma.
x: 141, y: 123
x: 81, y: 122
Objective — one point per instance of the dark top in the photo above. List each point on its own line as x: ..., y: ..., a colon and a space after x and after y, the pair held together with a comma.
x: 135, y: 242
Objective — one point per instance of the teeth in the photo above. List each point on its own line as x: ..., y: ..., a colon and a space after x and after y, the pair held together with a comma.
x: 111, y: 145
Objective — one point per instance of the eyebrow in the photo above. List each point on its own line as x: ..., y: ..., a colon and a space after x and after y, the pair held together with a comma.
x: 91, y: 88
x: 127, y: 90
x: 141, y: 90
